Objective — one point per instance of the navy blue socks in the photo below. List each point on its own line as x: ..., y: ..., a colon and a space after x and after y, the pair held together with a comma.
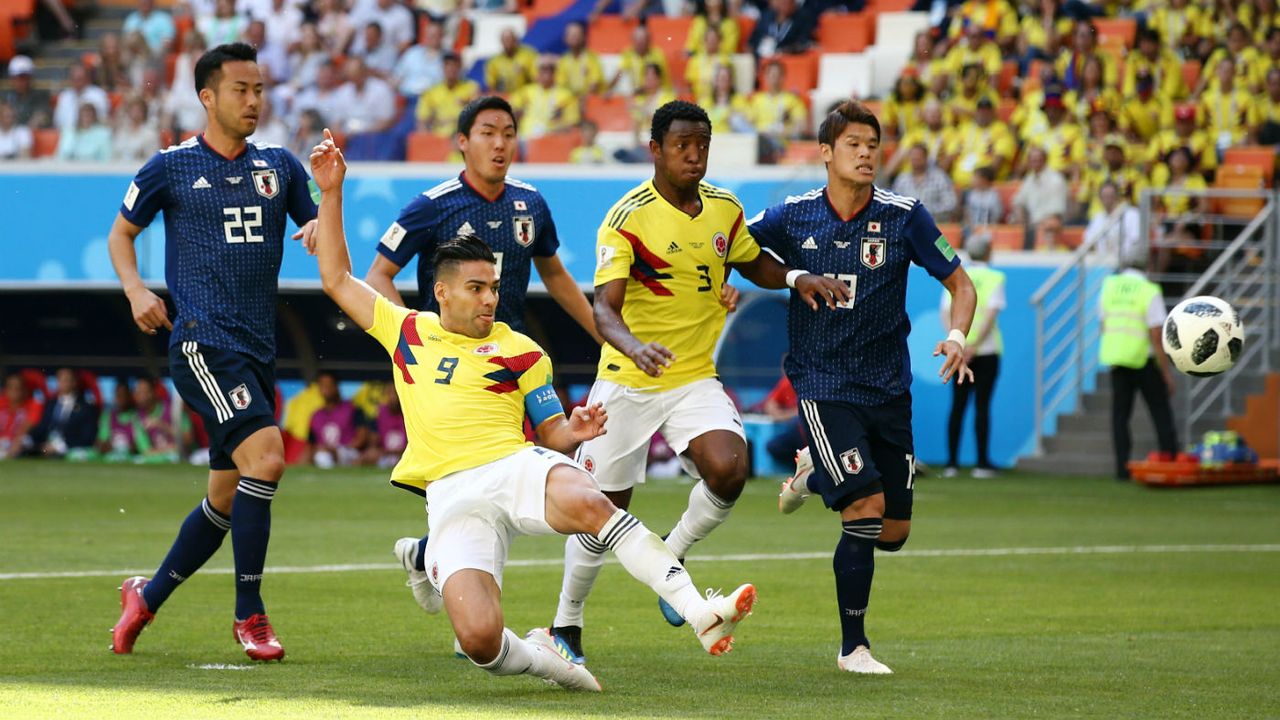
x: 854, y: 565
x: 198, y: 539
x: 250, y: 531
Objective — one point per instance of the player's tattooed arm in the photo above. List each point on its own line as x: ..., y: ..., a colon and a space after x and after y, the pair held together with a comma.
x: 963, y: 301
x: 650, y: 357
x: 765, y: 270
x: 148, y: 310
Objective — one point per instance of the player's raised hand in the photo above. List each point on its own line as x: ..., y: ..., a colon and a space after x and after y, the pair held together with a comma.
x: 586, y: 423
x: 652, y: 358
x: 328, y: 167
x: 149, y: 311
x: 955, y: 364
x: 729, y: 297
x: 307, y: 234
x: 812, y: 287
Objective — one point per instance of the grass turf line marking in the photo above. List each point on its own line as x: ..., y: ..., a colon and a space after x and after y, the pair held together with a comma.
x: 754, y: 557
x: 220, y: 666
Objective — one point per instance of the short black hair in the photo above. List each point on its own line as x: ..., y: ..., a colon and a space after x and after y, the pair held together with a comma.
x: 467, y: 118
x: 460, y: 249
x: 849, y: 112
x: 676, y: 110
x: 209, y: 66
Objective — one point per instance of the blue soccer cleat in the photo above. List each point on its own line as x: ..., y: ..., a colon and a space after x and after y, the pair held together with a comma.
x: 669, y: 613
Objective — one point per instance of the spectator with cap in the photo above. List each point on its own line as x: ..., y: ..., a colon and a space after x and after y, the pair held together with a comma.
x: 67, y: 113
x: 1040, y: 203
x: 1186, y: 133
x: 983, y: 141
x: 925, y: 182
x: 438, y: 108
x: 1061, y: 138
x: 513, y: 68
x: 15, y: 140
x: 578, y: 70
x: 1142, y: 114
x: 155, y: 25
x: 421, y: 66
x: 1158, y: 63
x: 31, y: 104
x: 543, y: 107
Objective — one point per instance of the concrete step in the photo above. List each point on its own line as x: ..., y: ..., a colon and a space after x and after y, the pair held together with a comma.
x: 1085, y: 465
x: 1095, y: 443
x: 1139, y: 422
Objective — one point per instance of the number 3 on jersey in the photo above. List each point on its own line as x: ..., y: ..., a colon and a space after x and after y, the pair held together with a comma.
x: 240, y: 224
x: 849, y: 280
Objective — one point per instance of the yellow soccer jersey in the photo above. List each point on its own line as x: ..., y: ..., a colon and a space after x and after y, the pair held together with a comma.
x: 675, y: 267
x: 464, y: 398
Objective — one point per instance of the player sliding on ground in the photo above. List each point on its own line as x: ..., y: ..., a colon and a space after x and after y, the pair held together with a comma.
x: 466, y: 382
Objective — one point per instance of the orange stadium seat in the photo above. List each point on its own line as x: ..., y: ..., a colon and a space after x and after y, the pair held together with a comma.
x: 1191, y: 74
x: 1071, y: 236
x: 610, y: 114
x: 1006, y: 191
x: 554, y: 148
x: 677, y: 64
x: 1004, y: 81
x: 1256, y: 155
x: 1006, y: 108
x: 44, y: 142
x: 801, y: 153
x: 425, y: 147
x: 801, y: 75
x: 1006, y: 237
x: 1239, y: 177
x: 610, y: 34
x: 746, y: 26
x: 844, y: 33
x: 669, y: 33
x: 1113, y: 31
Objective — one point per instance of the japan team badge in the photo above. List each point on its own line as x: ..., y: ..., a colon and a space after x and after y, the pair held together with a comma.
x: 265, y: 182
x: 872, y: 252
x: 851, y: 460
x: 240, y: 397
x: 524, y: 229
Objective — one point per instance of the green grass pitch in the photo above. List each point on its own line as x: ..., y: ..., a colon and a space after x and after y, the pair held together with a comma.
x: 1020, y: 597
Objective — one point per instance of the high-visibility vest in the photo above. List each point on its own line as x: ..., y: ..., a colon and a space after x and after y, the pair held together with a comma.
x: 985, y: 281
x: 1126, y: 339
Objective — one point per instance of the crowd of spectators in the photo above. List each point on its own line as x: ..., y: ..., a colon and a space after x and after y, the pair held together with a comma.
x: 994, y: 93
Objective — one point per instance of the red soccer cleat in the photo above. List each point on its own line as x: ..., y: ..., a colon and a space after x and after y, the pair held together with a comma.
x: 258, y: 638
x: 134, y: 616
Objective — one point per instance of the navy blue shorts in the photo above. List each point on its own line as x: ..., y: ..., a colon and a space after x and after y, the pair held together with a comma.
x: 234, y: 393
x: 859, y: 451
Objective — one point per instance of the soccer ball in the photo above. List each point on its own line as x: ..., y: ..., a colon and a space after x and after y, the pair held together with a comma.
x: 1203, y: 336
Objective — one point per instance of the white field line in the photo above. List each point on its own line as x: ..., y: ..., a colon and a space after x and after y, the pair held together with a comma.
x: 751, y: 557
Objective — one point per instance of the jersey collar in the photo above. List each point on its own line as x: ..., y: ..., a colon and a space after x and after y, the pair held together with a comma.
x: 463, y: 177
x: 826, y: 195
x: 210, y: 148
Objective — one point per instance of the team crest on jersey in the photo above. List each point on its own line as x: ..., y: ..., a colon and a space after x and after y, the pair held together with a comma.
x: 265, y: 182
x: 240, y: 396
x: 872, y: 252
x: 720, y: 243
x: 851, y: 460
x: 589, y: 464
x: 487, y: 349
x: 524, y: 229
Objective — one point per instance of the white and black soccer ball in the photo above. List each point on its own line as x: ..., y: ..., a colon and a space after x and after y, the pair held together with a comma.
x: 1203, y: 336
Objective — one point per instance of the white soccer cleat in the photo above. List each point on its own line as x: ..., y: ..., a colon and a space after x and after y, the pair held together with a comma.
x: 567, y: 674
x: 860, y: 661
x: 715, y: 624
x: 795, y: 489
x: 423, y: 591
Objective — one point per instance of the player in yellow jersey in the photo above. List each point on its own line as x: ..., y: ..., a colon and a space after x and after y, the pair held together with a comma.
x: 466, y: 382
x: 662, y: 255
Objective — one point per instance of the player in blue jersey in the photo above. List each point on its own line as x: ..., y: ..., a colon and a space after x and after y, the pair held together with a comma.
x: 850, y: 366
x: 225, y: 202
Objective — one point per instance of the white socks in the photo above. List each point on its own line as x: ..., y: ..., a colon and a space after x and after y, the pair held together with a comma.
x: 650, y: 561
x: 516, y: 657
x: 583, y: 556
x: 705, y: 513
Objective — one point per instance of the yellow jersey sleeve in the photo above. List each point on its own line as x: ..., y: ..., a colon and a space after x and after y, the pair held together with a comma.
x: 388, y: 320
x: 742, y: 247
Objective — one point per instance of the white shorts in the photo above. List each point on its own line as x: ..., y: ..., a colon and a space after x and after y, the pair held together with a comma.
x: 473, y: 514
x: 617, y: 458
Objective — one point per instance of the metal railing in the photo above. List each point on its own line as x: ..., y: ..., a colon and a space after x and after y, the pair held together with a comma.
x: 1244, y: 270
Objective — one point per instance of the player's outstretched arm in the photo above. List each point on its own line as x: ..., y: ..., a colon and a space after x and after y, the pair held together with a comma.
x: 564, y: 434
x: 963, y: 301
x: 650, y: 357
x: 328, y: 169
x: 148, y: 309
x: 765, y: 270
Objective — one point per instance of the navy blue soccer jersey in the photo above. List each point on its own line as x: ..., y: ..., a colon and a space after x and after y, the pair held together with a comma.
x: 856, y: 353
x: 516, y: 225
x: 224, y: 225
